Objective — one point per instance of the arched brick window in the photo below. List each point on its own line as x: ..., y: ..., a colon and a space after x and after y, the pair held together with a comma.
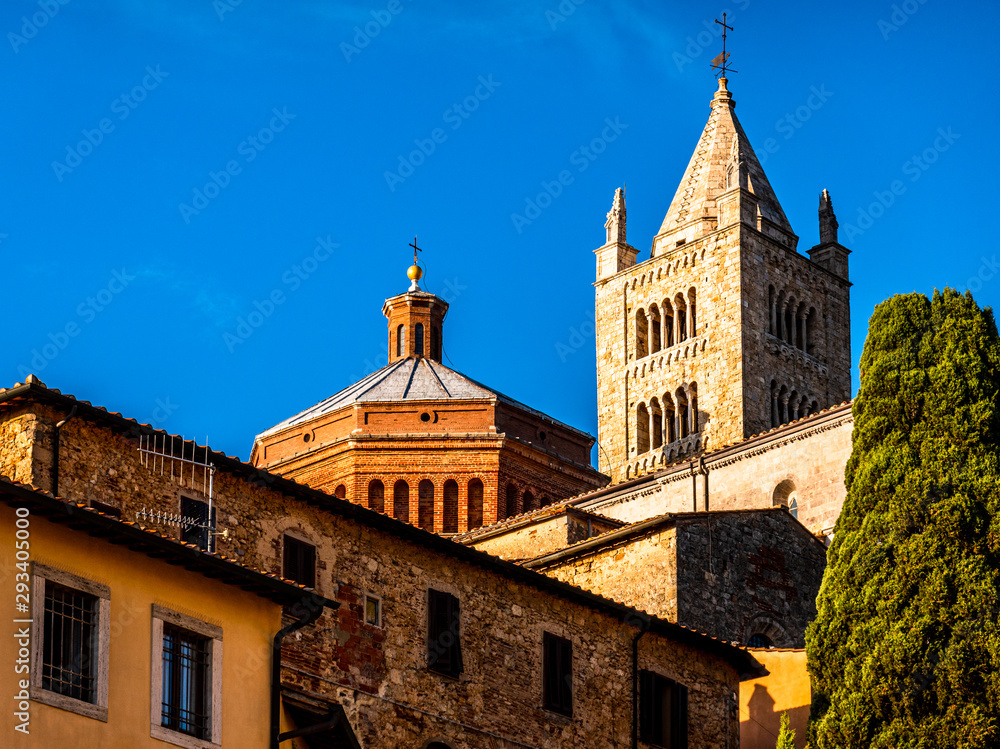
x: 529, y: 501
x: 376, y: 496
x: 779, y: 316
x: 450, y: 514
x: 418, y: 339
x: 800, y: 327
x: 436, y: 348
x: 340, y: 492
x: 475, y: 503
x: 401, y: 341
x: 510, y: 507
x: 810, y: 330
x: 641, y: 334
x: 425, y: 505
x: 401, y: 501
x: 642, y: 429
x: 790, y: 321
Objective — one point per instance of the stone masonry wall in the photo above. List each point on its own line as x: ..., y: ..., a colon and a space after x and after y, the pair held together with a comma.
x: 379, y: 673
x: 711, y: 359
x: 822, y: 374
x: 746, y: 573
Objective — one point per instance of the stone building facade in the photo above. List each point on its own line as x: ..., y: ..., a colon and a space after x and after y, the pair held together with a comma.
x: 426, y: 444
x: 433, y: 643
x: 748, y: 576
x: 726, y: 330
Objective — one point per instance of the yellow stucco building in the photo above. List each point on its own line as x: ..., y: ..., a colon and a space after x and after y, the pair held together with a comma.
x: 121, y: 637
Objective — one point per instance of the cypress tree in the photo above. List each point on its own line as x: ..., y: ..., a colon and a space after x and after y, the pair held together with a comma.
x: 905, y: 648
x: 786, y: 736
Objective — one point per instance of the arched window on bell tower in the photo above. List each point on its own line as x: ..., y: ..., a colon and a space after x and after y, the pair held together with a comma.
x: 418, y: 339
x: 401, y: 341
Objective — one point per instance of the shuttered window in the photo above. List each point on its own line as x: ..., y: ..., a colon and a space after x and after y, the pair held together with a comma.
x: 557, y: 674
x: 663, y: 717
x: 444, y: 646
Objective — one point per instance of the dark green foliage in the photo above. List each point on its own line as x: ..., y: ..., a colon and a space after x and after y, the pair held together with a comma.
x: 905, y: 649
x: 786, y: 736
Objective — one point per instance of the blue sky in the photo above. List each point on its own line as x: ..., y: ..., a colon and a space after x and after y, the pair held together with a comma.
x: 174, y: 167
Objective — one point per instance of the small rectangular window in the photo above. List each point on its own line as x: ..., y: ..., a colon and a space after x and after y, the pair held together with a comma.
x: 186, y: 689
x: 557, y: 674
x: 373, y: 610
x: 444, y: 651
x: 186, y: 695
x: 196, y: 525
x: 662, y: 711
x: 300, y: 562
x: 69, y: 645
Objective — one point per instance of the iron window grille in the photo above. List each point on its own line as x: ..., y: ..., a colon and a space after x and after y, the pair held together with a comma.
x: 663, y: 711
x: 557, y: 674
x: 186, y: 695
x: 69, y: 646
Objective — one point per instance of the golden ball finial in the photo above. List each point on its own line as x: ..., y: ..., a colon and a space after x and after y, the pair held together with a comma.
x: 414, y: 273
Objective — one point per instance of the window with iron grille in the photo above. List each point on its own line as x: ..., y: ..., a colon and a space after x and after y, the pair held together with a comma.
x: 663, y: 717
x: 444, y: 646
x: 186, y: 691
x: 299, y: 562
x: 557, y: 674
x: 69, y: 643
x: 71, y: 626
x: 186, y: 688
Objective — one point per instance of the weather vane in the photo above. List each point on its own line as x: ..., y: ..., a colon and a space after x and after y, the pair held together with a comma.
x: 721, y: 61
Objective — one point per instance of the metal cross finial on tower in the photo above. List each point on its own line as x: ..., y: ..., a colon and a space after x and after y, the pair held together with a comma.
x: 721, y: 61
x: 414, y: 272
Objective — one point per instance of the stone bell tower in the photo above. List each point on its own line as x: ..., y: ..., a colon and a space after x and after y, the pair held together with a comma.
x: 726, y: 330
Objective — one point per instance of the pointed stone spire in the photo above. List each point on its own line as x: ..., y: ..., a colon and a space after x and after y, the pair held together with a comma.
x: 827, y: 219
x: 829, y: 253
x: 616, y: 254
x: 723, y: 146
x: 615, y: 224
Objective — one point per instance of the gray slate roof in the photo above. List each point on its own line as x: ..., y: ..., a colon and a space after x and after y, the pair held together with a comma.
x: 411, y: 379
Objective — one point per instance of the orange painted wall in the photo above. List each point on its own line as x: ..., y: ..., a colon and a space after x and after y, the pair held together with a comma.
x: 136, y: 582
x: 762, y: 701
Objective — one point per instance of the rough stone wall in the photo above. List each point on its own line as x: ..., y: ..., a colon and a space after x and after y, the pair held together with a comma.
x: 747, y: 573
x: 728, y: 574
x: 380, y: 674
x: 809, y: 457
x: 20, y: 442
x: 640, y: 571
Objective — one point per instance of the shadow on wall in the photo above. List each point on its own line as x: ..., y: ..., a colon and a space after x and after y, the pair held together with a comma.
x: 760, y: 721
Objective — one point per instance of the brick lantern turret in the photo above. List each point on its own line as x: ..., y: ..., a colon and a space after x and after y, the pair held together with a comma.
x: 416, y: 321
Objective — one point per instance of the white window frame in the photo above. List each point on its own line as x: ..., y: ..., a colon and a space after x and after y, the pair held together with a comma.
x: 199, y: 627
x: 40, y: 574
x: 364, y: 611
